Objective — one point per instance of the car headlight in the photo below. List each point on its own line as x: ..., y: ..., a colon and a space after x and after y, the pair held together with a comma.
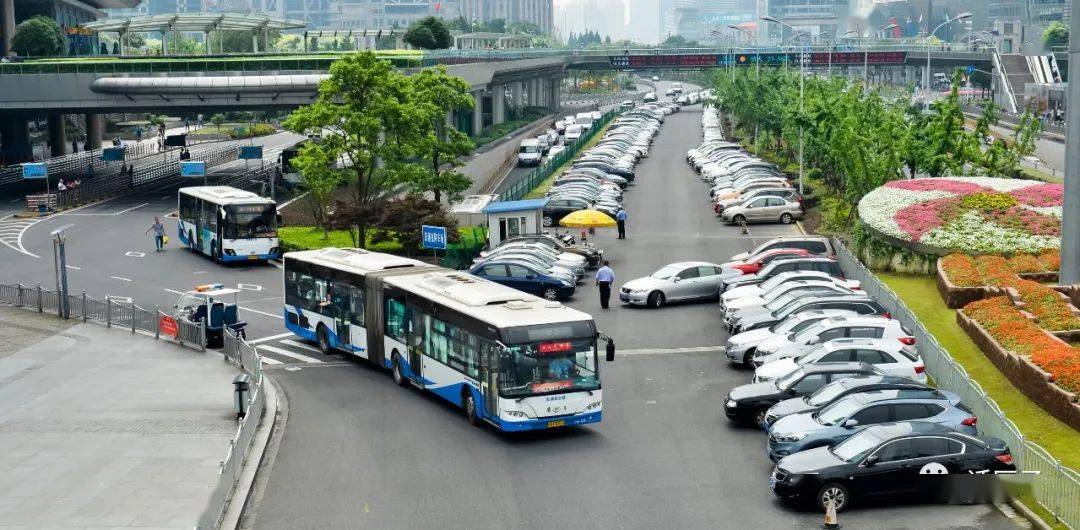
x: 791, y: 437
x: 516, y: 414
x: 639, y: 291
x: 566, y: 283
x: 730, y: 403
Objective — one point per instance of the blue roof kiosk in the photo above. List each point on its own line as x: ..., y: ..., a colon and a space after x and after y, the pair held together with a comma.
x: 514, y: 218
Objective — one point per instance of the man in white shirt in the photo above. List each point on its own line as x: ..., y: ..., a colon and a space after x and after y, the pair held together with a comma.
x: 604, y: 278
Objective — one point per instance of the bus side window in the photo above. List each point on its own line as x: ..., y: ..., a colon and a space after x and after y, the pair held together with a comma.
x: 356, y: 306
x: 395, y: 319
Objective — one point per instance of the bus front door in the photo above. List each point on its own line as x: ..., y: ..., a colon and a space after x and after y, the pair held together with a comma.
x: 490, y: 382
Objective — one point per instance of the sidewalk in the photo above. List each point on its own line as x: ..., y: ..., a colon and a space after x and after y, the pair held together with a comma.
x: 102, y: 428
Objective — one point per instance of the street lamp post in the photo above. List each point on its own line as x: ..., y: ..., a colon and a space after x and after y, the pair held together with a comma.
x: 802, y: 94
x: 926, y: 75
x: 60, y: 262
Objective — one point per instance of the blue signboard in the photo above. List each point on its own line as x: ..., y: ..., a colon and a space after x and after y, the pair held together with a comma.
x: 193, y: 169
x: 250, y: 152
x: 434, y: 237
x: 35, y: 170
x: 112, y: 154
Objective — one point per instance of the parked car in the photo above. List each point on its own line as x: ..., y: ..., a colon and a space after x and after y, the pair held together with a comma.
x: 763, y: 210
x: 524, y: 278
x: 586, y: 250
x: 650, y: 97
x: 821, y: 246
x: 757, y: 289
x: 837, y: 390
x: 890, y: 357
x: 740, y: 348
x: 754, y: 264
x: 745, y: 305
x: 825, y: 265
x: 836, y: 422
x: 685, y: 280
x: 751, y: 402
x: 889, y: 461
x: 865, y: 327
x: 529, y: 153
x: 861, y: 304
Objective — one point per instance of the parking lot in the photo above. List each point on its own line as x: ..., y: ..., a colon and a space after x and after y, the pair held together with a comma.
x: 663, y: 457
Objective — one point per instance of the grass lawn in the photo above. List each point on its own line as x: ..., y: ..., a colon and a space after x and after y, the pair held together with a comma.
x: 921, y: 296
x: 541, y: 189
x: 310, y: 238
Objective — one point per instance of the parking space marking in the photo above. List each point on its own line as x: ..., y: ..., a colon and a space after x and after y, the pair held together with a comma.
x: 120, y: 278
x: 270, y: 338
x: 248, y: 287
x: 133, y: 254
x: 74, y: 268
x: 301, y: 345
x: 289, y: 354
x: 267, y: 360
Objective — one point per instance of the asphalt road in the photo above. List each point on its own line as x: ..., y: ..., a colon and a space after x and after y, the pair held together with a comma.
x: 357, y: 451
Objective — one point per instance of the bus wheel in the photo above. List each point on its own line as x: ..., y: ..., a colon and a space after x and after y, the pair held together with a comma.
x: 399, y: 378
x: 322, y: 337
x: 214, y: 253
x: 469, y: 403
x: 191, y: 241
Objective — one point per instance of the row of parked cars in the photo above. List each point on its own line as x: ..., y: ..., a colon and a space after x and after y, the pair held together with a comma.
x: 545, y: 265
x: 838, y: 385
x: 598, y: 176
x: 742, y: 188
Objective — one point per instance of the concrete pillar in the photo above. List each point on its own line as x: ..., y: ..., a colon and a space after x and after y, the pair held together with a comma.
x: 534, y: 92
x: 15, y: 140
x: 254, y: 42
x: 478, y: 112
x: 399, y: 41
x: 516, y: 91
x: 57, y: 136
x: 93, y: 130
x: 7, y: 29
x: 498, y: 104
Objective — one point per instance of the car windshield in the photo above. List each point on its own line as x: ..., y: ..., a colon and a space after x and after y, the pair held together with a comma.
x: 250, y: 220
x: 825, y: 394
x: 808, y: 332
x: 528, y: 149
x: 769, y: 284
x: 790, y: 379
x: 838, y: 412
x: 780, y: 291
x: 780, y: 302
x: 804, y: 358
x: 857, y: 446
x: 665, y: 273
x: 550, y: 366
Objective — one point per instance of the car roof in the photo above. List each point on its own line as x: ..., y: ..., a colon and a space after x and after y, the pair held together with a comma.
x: 833, y: 367
x: 875, y: 379
x: 691, y: 264
x: 893, y: 430
x: 876, y: 344
x: 891, y: 394
x: 870, y: 320
x: 774, y: 251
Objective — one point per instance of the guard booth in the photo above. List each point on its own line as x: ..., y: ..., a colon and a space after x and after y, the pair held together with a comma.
x: 514, y: 218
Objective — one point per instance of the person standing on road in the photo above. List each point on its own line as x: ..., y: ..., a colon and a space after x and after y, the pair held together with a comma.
x: 159, y: 234
x: 620, y: 219
x: 604, y: 278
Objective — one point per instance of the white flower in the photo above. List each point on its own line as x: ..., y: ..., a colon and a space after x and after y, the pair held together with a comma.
x: 971, y: 232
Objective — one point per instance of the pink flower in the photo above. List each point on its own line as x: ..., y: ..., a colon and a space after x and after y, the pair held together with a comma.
x: 1041, y: 195
x: 938, y: 184
x: 920, y: 218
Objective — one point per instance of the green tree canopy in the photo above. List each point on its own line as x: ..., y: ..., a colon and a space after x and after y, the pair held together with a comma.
x: 429, y: 33
x: 1056, y: 35
x: 435, y: 94
x: 38, y: 36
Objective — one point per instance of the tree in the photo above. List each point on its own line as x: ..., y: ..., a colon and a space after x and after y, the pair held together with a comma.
x: 367, y: 128
x: 1056, y: 35
x: 429, y: 33
x: 496, y: 25
x: 435, y: 94
x: 134, y: 41
x: 678, y: 41
x: 38, y: 36
x: 239, y: 41
x: 402, y: 219
x: 217, y: 120
x: 522, y: 26
x: 461, y: 24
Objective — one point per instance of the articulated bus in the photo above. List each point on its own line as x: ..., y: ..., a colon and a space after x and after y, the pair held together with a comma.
x: 508, y: 358
x: 228, y: 224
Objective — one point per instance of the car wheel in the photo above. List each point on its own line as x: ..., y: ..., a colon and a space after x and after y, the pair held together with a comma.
x: 656, y: 299
x: 323, y: 338
x: 748, y: 359
x: 759, y: 415
x: 550, y: 294
x: 470, y: 407
x: 787, y: 219
x: 739, y: 219
x: 548, y: 221
x: 833, y: 493
x: 399, y: 377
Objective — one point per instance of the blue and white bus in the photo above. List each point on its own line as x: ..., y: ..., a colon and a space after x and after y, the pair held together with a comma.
x: 228, y: 224
x: 508, y: 358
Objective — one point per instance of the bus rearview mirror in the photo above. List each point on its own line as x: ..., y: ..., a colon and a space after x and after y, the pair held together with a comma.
x: 610, y: 350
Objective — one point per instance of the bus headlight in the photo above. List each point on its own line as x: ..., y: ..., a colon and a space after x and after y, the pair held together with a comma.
x: 230, y: 252
x: 516, y: 414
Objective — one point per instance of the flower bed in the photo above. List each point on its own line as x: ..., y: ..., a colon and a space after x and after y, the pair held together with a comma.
x: 968, y: 214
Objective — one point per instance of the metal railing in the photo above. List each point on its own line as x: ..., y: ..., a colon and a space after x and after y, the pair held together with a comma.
x: 245, y: 356
x: 76, y: 163
x: 522, y: 187
x: 1055, y: 487
x: 112, y: 313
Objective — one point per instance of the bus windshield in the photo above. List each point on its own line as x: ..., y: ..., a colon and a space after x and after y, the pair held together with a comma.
x: 553, y: 366
x: 249, y: 220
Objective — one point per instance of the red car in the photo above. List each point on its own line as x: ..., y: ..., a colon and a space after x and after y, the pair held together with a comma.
x: 755, y: 263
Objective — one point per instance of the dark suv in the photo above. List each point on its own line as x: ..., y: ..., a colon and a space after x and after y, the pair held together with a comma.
x: 750, y: 402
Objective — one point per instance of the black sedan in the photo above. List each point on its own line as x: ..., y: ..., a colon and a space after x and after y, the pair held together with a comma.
x: 837, y: 390
x: 750, y: 402
x: 902, y: 461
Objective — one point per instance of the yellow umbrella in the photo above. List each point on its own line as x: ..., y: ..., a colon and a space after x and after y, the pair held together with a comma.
x: 588, y: 219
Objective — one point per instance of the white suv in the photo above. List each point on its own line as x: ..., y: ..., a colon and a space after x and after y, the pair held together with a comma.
x: 890, y: 356
x: 857, y: 327
x: 740, y: 348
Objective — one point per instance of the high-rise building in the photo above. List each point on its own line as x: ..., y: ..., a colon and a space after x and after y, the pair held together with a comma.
x: 539, y: 12
x: 812, y: 16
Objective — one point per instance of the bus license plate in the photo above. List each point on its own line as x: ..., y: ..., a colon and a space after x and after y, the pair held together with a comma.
x: 559, y: 423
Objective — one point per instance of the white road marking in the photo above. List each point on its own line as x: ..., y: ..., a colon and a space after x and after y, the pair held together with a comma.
x: 267, y: 360
x: 248, y: 287
x: 173, y: 291
x: 289, y: 354
x: 261, y: 340
x: 120, y: 299
x: 276, y: 263
x: 199, y: 272
x: 13, y: 201
x: 133, y: 254
x: 658, y: 351
x: 121, y: 279
x: 121, y: 212
x: 301, y: 345
x: 74, y: 268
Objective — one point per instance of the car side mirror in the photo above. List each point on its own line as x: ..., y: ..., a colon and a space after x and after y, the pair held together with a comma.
x: 850, y: 424
x: 871, y: 460
x: 676, y: 279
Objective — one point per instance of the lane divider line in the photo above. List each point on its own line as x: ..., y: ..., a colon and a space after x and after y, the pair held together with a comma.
x: 261, y: 340
x: 267, y: 360
x: 120, y: 278
x: 289, y: 354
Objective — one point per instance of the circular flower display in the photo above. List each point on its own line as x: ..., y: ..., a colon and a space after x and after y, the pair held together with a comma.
x: 968, y: 214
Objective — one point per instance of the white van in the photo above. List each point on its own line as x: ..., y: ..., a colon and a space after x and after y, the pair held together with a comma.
x: 529, y: 153
x: 584, y: 119
x: 573, y: 131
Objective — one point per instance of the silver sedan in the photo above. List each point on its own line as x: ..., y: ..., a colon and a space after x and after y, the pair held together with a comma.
x: 685, y: 280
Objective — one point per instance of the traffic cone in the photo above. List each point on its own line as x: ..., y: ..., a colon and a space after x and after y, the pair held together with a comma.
x: 831, y: 521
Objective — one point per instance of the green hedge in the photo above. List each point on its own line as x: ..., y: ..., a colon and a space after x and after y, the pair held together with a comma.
x: 310, y: 238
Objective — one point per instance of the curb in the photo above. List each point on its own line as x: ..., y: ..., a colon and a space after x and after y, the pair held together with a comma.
x: 245, y: 483
x: 1028, y: 514
x: 802, y: 230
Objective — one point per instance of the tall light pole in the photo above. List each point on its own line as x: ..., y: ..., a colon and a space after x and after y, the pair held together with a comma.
x: 926, y: 74
x: 802, y: 93
x: 866, y: 56
x: 1070, y: 219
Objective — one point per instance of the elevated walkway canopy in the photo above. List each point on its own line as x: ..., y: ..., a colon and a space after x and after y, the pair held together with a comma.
x: 176, y: 23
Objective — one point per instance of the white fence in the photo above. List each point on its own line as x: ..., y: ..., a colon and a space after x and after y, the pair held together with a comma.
x: 1056, y: 487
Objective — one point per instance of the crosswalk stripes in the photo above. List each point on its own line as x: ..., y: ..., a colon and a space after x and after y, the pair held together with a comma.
x: 297, y: 356
x: 11, y: 231
x: 287, y: 348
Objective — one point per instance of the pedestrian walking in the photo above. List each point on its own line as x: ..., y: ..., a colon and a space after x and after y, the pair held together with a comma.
x: 604, y: 278
x: 159, y: 234
x: 620, y: 219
